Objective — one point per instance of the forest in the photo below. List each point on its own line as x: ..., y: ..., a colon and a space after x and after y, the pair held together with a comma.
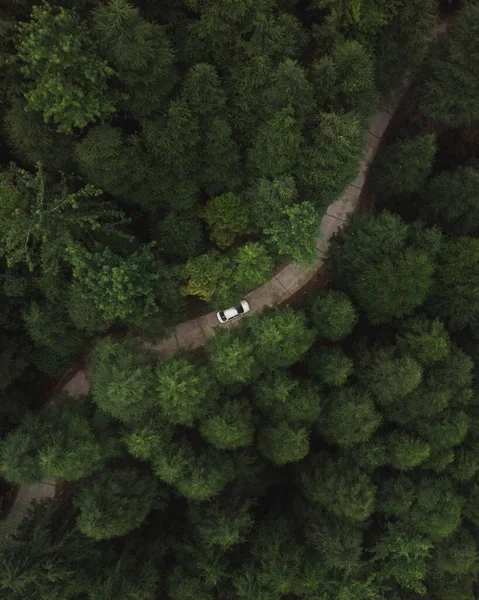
x: 162, y: 158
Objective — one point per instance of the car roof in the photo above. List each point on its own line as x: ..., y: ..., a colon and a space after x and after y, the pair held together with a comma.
x: 230, y: 312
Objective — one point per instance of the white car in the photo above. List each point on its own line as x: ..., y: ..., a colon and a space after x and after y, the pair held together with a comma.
x: 233, y: 313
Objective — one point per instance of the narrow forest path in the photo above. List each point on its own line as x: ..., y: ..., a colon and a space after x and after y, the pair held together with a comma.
x: 287, y: 282
x: 284, y: 285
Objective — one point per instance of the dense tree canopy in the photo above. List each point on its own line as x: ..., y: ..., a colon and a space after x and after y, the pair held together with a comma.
x: 326, y: 451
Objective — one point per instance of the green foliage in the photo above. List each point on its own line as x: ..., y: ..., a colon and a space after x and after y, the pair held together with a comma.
x: 19, y: 459
x: 269, y: 197
x: 221, y: 169
x: 206, y: 274
x: 294, y: 232
x: 122, y: 380
x: 404, y: 167
x: 121, y: 289
x: 344, y: 80
x: 202, y: 90
x: 331, y: 162
x: 227, y: 218
x: 363, y: 18
x: 436, y: 511
x: 231, y: 358
x: 330, y: 366
x: 222, y: 523
x: 450, y: 88
x: 384, y: 264
x: 338, y: 542
x: 390, y: 377
x: 110, y: 161
x: 339, y: 487
x: 457, y: 554
x: 402, y: 556
x: 280, y: 397
x: 39, y: 218
x: 350, y: 417
x: 333, y: 315
x: 140, y: 53
x: 455, y: 299
x: 35, y: 141
x: 253, y: 266
x: 280, y: 337
x: 428, y: 341
x: 115, y: 503
x: 407, y: 451
x: 183, y: 391
x: 276, y: 149
x: 402, y: 43
x: 205, y: 476
x: 452, y: 200
x: 36, y: 563
x: 284, y: 443
x: 229, y: 426
x: 65, y: 78
x: 71, y: 449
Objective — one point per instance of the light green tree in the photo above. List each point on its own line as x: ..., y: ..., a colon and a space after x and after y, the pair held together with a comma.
x: 183, y: 389
x: 66, y: 79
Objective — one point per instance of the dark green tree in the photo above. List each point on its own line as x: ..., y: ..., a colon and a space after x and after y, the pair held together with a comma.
x: 450, y: 87
x: 330, y: 365
x: 390, y: 377
x: 123, y: 383
x: 202, y: 90
x: 232, y: 358
x: 284, y: 443
x: 349, y: 417
x: 280, y: 337
x: 253, y: 266
x: 402, y: 556
x: 112, y: 161
x: 121, y: 288
x: 222, y: 522
x: 115, y: 503
x: 403, y: 42
x: 40, y: 218
x: 276, y: 149
x: 333, y: 315
x: 344, y: 80
x: 428, y: 341
x: 19, y: 453
x: 229, y: 426
x: 227, y: 218
x: 404, y: 166
x: 332, y: 160
x: 281, y: 397
x: 140, y: 53
x: 455, y: 298
x: 452, y: 201
x: 47, y: 558
x: 386, y: 265
x: 407, y: 451
x: 339, y: 486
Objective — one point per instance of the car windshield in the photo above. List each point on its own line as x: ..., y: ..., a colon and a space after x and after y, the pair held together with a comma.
x: 222, y: 315
x: 240, y: 309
